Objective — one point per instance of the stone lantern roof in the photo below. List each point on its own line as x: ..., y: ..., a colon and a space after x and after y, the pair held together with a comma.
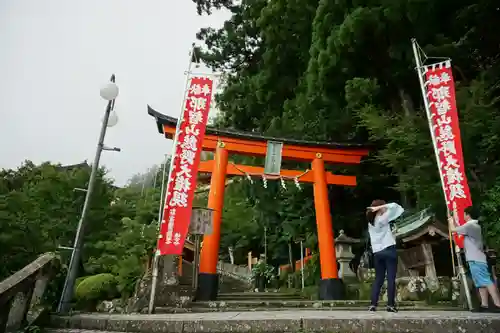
x: 342, y: 238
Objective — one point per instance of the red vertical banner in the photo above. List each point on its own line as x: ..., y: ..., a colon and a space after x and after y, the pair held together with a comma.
x: 185, y: 162
x: 446, y: 128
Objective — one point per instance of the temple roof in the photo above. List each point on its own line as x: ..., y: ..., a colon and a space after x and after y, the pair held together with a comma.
x: 70, y: 167
x: 162, y: 120
x: 418, y: 225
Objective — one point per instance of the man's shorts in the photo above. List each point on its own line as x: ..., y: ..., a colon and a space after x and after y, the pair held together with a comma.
x: 480, y: 274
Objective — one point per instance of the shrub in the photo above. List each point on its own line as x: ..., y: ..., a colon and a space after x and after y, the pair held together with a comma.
x: 128, y: 272
x: 95, y: 288
x: 312, y: 271
x: 311, y: 292
x: 79, y: 280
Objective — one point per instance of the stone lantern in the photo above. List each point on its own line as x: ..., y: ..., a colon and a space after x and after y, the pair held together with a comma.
x: 343, y: 249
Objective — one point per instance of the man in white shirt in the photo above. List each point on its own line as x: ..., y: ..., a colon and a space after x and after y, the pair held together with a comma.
x: 476, y: 258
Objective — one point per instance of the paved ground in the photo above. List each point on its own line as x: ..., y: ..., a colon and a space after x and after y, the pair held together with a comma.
x: 283, y: 322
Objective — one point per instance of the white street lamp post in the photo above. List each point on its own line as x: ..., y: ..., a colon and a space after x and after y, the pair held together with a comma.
x: 109, y: 92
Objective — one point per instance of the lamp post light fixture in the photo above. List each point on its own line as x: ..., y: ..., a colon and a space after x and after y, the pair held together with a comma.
x: 109, y: 92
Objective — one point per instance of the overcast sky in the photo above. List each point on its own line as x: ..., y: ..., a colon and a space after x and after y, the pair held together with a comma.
x: 56, y: 54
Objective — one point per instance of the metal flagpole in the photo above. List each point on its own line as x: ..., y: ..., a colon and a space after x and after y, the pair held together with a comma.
x: 154, y: 178
x: 143, y: 184
x: 196, y: 261
x: 461, y: 269
x: 265, y: 244
x: 302, y: 263
x: 154, y: 280
x: 162, y: 191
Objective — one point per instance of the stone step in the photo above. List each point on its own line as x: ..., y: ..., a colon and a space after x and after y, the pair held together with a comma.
x: 195, y: 309
x: 258, y: 296
x: 297, y: 304
x: 281, y: 322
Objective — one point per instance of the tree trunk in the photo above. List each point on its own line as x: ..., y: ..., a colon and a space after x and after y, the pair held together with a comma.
x: 406, y: 105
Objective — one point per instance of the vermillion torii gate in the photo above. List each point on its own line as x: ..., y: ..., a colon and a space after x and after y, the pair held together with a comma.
x: 223, y: 142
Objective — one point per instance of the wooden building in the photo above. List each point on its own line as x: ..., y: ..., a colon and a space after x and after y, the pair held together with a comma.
x: 423, y: 246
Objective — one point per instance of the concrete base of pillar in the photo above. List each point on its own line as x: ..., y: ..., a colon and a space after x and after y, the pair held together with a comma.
x: 331, y: 289
x: 208, y: 287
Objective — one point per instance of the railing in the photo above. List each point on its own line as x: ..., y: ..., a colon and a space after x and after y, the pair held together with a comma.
x: 240, y: 273
x: 22, y: 292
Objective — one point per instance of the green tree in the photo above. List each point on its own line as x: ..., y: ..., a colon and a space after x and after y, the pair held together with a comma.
x: 344, y: 71
x: 41, y: 208
x: 126, y: 255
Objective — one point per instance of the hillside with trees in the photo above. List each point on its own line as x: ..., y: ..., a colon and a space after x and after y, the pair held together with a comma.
x: 40, y: 206
x: 343, y: 71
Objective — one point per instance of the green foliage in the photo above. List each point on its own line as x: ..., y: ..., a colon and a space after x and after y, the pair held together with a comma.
x: 311, y: 292
x: 365, y: 289
x: 344, y: 71
x: 312, y: 271
x: 95, y: 288
x: 125, y: 255
x: 79, y: 280
x: 263, y: 270
x: 312, y: 275
x: 490, y: 219
x: 33, y: 329
x: 39, y: 207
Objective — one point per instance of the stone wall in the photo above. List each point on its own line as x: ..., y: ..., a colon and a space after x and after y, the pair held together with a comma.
x: 21, y: 293
x: 433, y: 291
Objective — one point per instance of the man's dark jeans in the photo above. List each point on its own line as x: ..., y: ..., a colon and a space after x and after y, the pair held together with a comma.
x: 385, y: 261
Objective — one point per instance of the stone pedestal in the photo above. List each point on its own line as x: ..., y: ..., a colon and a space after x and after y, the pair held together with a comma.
x: 167, y: 290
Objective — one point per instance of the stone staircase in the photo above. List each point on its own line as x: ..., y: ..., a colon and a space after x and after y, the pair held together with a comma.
x: 234, y: 312
x: 280, y: 322
x: 279, y: 305
x: 260, y: 296
x: 241, y: 301
x: 235, y: 294
x: 228, y: 281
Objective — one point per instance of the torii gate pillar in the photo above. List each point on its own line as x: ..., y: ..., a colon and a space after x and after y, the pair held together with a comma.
x: 330, y: 286
x: 208, y: 280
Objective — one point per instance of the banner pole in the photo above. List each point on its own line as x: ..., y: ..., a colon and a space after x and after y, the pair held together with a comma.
x: 418, y: 62
x: 461, y: 269
x: 156, y: 261
x: 162, y: 193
